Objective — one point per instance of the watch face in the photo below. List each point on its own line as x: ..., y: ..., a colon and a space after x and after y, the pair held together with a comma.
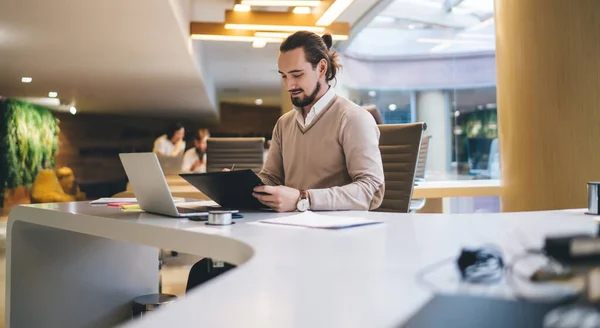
x: 302, y: 205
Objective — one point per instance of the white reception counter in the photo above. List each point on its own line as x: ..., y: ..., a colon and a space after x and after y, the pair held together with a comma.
x: 77, y: 265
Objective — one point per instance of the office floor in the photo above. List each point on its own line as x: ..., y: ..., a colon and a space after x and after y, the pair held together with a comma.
x: 174, y: 273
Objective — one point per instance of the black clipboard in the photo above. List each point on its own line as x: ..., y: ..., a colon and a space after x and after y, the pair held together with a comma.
x: 230, y: 189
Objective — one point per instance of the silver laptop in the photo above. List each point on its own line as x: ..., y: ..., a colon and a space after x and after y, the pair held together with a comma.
x: 170, y: 164
x: 151, y: 189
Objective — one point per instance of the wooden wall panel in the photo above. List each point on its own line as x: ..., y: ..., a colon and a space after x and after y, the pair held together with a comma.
x: 548, y: 64
x: 90, y: 144
x: 246, y: 120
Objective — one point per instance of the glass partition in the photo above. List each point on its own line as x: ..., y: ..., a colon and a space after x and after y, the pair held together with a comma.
x: 434, y: 61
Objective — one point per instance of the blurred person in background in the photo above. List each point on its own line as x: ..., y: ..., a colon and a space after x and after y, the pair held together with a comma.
x: 171, y: 143
x: 194, y: 159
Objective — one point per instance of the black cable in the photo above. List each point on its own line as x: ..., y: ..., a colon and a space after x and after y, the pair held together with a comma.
x: 430, y: 268
x: 485, y: 265
x: 511, y: 274
x: 482, y: 265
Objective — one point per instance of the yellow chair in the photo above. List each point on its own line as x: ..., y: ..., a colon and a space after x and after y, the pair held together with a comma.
x: 67, y: 181
x: 47, y: 189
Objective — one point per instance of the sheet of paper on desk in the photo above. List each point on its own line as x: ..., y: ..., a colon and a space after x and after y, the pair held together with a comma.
x: 113, y: 200
x: 104, y: 201
x: 313, y: 220
x: 198, y: 204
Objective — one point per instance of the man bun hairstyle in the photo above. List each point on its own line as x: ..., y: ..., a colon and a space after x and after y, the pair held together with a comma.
x: 315, y: 48
x: 328, y: 40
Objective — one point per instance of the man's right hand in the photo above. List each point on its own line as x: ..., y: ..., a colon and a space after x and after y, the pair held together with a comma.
x: 279, y: 198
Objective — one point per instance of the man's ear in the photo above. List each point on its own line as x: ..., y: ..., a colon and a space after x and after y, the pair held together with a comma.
x: 322, y: 67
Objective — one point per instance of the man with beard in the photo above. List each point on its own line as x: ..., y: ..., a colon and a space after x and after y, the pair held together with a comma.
x: 324, y: 155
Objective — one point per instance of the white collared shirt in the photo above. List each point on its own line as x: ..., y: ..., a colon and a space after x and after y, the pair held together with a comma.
x: 189, y: 158
x: 316, y: 108
x: 166, y: 147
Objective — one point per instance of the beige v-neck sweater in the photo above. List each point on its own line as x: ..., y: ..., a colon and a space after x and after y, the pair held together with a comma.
x: 335, y: 158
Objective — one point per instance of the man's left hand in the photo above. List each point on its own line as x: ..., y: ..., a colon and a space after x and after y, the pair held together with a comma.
x: 279, y: 198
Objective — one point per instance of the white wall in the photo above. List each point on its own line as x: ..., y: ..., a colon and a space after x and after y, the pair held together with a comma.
x: 433, y: 109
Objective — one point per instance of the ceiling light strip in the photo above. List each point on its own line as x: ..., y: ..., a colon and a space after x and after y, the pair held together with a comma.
x: 214, y: 37
x: 333, y: 12
x: 218, y: 32
x: 283, y: 35
x: 266, y: 3
x: 291, y: 28
x: 241, y: 8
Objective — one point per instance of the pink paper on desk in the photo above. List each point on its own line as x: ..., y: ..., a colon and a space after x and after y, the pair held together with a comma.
x: 119, y: 204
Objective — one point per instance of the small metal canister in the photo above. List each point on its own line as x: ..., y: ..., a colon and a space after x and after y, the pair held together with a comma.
x: 593, y: 192
x: 219, y: 218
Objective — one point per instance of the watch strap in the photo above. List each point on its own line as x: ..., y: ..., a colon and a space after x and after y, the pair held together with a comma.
x: 303, y: 194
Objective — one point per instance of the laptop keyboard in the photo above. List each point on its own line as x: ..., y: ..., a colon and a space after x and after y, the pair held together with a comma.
x: 195, y: 209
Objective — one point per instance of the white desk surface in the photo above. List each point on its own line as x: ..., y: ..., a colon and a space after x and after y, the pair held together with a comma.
x: 301, y: 277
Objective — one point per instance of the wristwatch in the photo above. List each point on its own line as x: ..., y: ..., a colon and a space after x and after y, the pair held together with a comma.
x: 303, y: 202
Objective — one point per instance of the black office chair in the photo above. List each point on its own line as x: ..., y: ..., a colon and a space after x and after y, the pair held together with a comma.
x: 245, y: 153
x: 399, y: 145
x: 418, y: 203
x: 205, y: 270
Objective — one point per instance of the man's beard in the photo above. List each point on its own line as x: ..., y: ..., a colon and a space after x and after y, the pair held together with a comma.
x: 306, y: 100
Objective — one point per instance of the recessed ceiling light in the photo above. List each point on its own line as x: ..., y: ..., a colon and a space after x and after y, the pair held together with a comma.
x: 416, y: 26
x: 26, y: 79
x: 73, y: 110
x: 280, y: 3
x: 52, y: 94
x: 372, y: 93
x: 258, y: 101
x: 259, y: 43
x: 392, y: 107
x: 301, y: 10
x: 241, y: 8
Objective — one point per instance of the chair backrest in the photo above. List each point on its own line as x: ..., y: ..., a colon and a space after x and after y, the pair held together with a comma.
x: 399, y: 145
x: 372, y: 109
x: 245, y: 153
x: 422, y: 160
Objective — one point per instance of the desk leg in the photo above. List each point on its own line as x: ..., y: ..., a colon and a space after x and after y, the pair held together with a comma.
x: 59, y: 278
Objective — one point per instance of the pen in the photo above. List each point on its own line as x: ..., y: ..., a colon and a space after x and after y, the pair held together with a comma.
x: 232, y: 166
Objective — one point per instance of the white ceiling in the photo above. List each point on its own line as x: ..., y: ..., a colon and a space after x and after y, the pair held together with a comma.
x: 402, y: 28
x: 107, y: 56
x: 242, y: 73
x: 134, y: 56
